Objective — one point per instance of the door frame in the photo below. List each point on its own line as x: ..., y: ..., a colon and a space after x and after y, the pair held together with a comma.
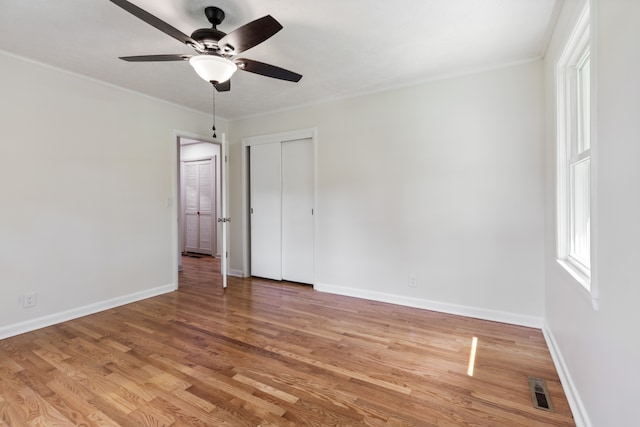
x: 307, y: 133
x: 177, y: 196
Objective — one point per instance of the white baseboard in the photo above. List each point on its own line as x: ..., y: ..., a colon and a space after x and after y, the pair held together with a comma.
x: 236, y: 273
x: 580, y: 415
x: 443, y: 307
x: 74, y: 313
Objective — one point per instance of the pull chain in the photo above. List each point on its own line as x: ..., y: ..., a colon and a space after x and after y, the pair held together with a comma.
x: 214, y: 109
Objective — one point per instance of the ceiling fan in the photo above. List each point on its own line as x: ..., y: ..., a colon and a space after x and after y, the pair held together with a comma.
x: 215, y: 59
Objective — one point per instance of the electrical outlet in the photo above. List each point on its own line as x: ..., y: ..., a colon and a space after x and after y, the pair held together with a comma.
x: 29, y: 300
x: 412, y: 280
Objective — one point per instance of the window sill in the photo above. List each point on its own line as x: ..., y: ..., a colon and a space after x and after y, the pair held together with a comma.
x: 577, y: 273
x: 583, y: 280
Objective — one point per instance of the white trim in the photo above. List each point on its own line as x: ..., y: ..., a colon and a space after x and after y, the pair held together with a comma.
x: 292, y: 135
x: 577, y: 273
x: 199, y: 158
x: 580, y: 415
x: 104, y: 83
x: 74, y: 313
x: 578, y: 41
x: 594, y: 289
x: 440, y: 77
x: 177, y: 133
x: 443, y: 307
x: 236, y: 273
x: 316, y: 209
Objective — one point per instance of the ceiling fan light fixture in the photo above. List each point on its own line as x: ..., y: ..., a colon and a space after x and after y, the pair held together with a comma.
x: 212, y: 68
x: 214, y: 47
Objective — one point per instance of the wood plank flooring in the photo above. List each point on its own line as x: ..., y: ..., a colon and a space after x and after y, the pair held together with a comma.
x: 267, y: 353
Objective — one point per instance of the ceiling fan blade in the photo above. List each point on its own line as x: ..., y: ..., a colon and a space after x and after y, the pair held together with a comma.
x: 223, y: 87
x: 268, y: 70
x: 153, y: 58
x: 249, y: 35
x: 156, y: 22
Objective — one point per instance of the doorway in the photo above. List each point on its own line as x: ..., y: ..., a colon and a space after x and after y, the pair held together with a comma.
x: 201, y: 200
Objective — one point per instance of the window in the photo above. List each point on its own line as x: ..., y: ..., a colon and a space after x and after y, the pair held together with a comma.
x: 573, y: 78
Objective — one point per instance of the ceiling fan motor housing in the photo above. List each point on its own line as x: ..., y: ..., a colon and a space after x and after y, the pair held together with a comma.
x: 208, y: 37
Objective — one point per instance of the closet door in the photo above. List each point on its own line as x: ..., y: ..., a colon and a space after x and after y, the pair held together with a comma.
x: 206, y: 207
x: 265, y: 210
x: 297, y: 211
x: 198, y: 206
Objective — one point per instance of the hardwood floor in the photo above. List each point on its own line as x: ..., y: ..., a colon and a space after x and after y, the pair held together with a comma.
x: 266, y: 353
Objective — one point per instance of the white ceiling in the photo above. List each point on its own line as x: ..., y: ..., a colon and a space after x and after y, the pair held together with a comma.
x: 341, y: 47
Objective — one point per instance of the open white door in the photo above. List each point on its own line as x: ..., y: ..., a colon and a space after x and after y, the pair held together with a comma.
x: 224, y: 214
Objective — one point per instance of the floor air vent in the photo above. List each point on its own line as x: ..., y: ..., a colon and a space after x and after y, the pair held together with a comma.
x: 539, y: 394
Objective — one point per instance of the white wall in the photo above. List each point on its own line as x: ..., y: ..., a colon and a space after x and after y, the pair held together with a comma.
x: 86, y: 170
x: 599, y: 351
x: 443, y: 180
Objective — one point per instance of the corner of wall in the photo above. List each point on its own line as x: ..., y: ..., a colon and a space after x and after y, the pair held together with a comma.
x: 580, y: 415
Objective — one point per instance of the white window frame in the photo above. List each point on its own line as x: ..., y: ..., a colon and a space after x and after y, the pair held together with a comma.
x: 576, y: 148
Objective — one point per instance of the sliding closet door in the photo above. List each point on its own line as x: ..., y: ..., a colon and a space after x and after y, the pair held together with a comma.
x: 265, y: 210
x: 297, y: 211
